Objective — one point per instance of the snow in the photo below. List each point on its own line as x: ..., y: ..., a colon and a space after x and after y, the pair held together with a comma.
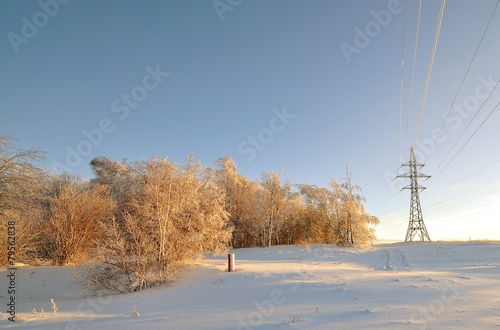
x: 385, y: 286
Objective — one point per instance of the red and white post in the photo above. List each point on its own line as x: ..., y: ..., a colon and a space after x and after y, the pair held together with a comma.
x: 230, y: 262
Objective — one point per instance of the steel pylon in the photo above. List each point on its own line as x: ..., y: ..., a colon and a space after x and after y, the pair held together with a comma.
x: 416, y: 226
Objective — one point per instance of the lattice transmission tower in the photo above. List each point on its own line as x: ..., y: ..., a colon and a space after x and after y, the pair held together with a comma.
x: 416, y: 225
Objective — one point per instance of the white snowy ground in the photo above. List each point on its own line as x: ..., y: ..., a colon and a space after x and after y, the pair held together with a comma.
x: 388, y: 286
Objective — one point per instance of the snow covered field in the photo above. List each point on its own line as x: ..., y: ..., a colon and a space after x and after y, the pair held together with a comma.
x: 387, y: 286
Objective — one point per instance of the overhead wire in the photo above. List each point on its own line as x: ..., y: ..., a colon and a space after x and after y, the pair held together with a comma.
x: 393, y: 221
x: 468, y: 176
x: 429, y: 69
x: 446, y: 222
x: 470, y: 122
x: 374, y: 178
x: 465, y: 201
x: 470, y: 138
x: 415, y: 46
x: 462, y: 202
x: 401, y: 80
x: 455, y: 219
x: 468, y: 68
x: 468, y: 199
x: 427, y: 81
x: 381, y: 185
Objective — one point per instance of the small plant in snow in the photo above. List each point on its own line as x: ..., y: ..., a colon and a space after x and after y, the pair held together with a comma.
x: 134, y: 312
x: 54, y: 306
x: 293, y: 319
x: 307, y: 248
x: 43, y: 312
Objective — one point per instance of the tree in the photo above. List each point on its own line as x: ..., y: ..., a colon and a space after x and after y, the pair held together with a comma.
x: 22, y: 190
x: 294, y: 229
x: 275, y: 197
x: 240, y: 203
x: 76, y: 211
x: 353, y: 222
x: 172, y: 213
x: 322, y: 209
x: 16, y: 170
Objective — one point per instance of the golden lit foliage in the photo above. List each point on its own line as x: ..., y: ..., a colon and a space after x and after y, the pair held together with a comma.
x: 76, y: 212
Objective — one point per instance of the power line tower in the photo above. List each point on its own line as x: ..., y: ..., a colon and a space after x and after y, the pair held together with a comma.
x: 416, y: 225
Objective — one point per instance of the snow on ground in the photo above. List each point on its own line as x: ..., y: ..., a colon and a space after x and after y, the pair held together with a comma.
x: 387, y: 286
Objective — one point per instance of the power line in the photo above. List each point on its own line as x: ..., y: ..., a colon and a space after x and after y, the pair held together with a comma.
x: 466, y: 142
x: 413, y: 70
x: 384, y: 203
x: 460, y: 194
x: 374, y: 178
x: 467, y: 216
x: 416, y: 224
x: 401, y: 80
x: 470, y: 122
x: 392, y: 227
x: 470, y: 64
x: 378, y: 196
x: 392, y: 222
x: 468, y: 176
x: 429, y: 69
x: 446, y: 222
x: 426, y: 86
x: 402, y: 203
x: 466, y: 200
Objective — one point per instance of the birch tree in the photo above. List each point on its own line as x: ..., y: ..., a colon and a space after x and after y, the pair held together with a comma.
x: 353, y: 222
x: 275, y: 197
x: 241, y: 203
x: 322, y: 209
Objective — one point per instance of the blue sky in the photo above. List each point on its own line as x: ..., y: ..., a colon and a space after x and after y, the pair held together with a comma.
x: 267, y: 83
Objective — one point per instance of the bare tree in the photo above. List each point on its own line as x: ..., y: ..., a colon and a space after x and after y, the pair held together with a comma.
x: 76, y: 211
x: 16, y: 169
x: 22, y: 187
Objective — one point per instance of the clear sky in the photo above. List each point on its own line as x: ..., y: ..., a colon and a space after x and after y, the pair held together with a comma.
x: 313, y: 86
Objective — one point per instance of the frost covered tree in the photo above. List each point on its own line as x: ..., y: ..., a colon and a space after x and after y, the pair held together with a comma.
x: 17, y: 171
x: 75, y: 213
x: 22, y: 190
x: 293, y: 229
x: 170, y: 214
x: 275, y: 197
x: 321, y: 212
x: 337, y: 214
x: 353, y: 225
x: 241, y: 203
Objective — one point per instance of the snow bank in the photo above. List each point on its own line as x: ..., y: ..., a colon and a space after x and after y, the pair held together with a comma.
x: 387, y: 286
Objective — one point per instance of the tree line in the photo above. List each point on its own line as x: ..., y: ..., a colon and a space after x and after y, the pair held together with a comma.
x: 139, y: 221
